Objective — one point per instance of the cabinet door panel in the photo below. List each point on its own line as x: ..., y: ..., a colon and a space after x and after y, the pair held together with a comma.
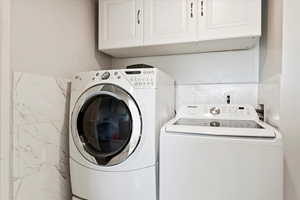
x: 229, y: 18
x: 120, y: 23
x: 169, y: 21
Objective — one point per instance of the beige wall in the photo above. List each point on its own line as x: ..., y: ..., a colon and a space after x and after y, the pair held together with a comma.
x: 204, y: 68
x: 271, y: 40
x: 271, y: 59
x: 280, y: 89
x: 4, y: 100
x: 208, y: 77
x: 290, y: 98
x: 55, y: 37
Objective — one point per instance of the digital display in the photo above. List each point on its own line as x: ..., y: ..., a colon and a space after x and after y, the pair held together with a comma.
x: 133, y: 72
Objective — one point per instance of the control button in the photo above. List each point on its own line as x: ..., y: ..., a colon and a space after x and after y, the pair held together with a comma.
x: 97, y: 74
x: 215, y: 111
x: 105, y: 76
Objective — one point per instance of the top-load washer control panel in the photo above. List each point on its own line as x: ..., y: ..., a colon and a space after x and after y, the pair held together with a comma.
x: 219, y: 111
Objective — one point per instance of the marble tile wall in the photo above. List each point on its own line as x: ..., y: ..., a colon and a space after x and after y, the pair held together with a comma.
x: 40, y: 138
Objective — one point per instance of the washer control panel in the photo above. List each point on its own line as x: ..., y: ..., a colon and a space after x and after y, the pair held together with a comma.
x: 141, y: 78
x: 218, y: 111
x: 108, y: 75
x: 138, y: 78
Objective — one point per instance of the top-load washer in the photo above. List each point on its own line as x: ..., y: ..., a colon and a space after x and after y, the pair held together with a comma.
x: 115, y: 120
x: 220, y: 152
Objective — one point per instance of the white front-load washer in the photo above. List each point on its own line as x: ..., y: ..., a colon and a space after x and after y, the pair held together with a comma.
x: 220, y: 152
x: 115, y: 120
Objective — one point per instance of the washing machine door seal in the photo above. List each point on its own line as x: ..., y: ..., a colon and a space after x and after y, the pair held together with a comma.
x: 106, y: 125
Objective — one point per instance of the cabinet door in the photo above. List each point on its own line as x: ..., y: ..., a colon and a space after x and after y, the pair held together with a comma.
x: 120, y: 23
x: 169, y: 21
x: 220, y: 19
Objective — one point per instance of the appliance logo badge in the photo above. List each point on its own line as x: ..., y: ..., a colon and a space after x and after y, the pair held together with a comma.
x: 215, y: 111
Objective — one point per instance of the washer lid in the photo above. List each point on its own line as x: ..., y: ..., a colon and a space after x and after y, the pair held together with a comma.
x: 221, y: 127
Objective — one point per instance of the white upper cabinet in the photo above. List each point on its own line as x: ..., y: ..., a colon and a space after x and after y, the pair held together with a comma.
x: 169, y: 21
x: 219, y: 19
x: 120, y: 23
x: 130, y: 28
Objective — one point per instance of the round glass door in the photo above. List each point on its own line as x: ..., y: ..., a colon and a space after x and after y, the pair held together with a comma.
x: 106, y: 125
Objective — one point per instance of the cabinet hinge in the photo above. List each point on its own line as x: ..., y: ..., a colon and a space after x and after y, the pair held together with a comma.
x: 202, y: 8
x: 192, y: 10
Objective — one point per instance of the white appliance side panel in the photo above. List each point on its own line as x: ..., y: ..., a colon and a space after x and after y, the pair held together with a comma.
x: 210, y: 168
x: 165, y: 102
x: 132, y: 185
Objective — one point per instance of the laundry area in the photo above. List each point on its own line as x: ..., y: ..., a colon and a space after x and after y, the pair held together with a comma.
x: 149, y: 100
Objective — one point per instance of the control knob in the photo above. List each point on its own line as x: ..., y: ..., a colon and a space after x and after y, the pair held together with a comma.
x: 105, y: 76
